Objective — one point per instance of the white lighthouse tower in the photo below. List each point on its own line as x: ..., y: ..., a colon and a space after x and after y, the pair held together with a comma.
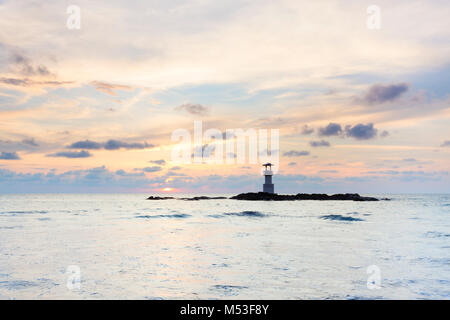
x: 268, y: 185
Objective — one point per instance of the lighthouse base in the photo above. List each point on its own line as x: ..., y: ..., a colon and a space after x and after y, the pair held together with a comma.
x: 268, y: 187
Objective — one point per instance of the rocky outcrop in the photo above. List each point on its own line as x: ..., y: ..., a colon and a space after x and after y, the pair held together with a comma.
x: 159, y: 198
x: 264, y: 196
x: 186, y: 199
x: 203, y: 198
x: 253, y: 196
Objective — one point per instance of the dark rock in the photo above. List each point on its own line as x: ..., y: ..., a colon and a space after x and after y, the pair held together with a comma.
x: 159, y: 198
x: 202, y: 198
x: 300, y: 196
x: 264, y: 196
x: 186, y: 199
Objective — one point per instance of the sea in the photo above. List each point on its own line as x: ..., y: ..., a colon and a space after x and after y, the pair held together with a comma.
x: 122, y: 246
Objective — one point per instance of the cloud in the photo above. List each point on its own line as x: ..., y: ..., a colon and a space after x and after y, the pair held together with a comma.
x: 100, y: 179
x: 195, y: 109
x: 123, y: 173
x: 97, y: 179
x: 25, y: 82
x: 149, y: 169
x: 159, y: 162
x: 332, y: 129
x: 108, y: 145
x: 328, y: 171
x: 292, y: 164
x: 384, y: 134
x: 116, y: 144
x: 30, y: 142
x: 205, y: 150
x: 71, y: 154
x: 306, y: 130
x: 294, y: 153
x: 26, y: 68
x: 321, y: 143
x: 86, y: 144
x: 109, y: 87
x: 446, y: 143
x: 361, y: 131
x: 9, y: 156
x: 379, y: 93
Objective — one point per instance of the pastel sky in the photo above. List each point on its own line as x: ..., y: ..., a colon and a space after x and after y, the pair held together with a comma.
x: 92, y: 110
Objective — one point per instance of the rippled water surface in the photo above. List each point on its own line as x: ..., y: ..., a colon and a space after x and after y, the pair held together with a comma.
x: 128, y: 247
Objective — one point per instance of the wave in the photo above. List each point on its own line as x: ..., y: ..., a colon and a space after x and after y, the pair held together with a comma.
x: 177, y: 216
x: 24, y: 212
x: 17, y: 284
x: 251, y: 214
x: 228, y: 290
x: 20, y: 213
x: 435, y: 234
x: 217, y: 216
x: 338, y: 217
x: 227, y: 287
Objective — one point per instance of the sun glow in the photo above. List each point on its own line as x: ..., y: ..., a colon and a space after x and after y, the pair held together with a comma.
x: 167, y: 189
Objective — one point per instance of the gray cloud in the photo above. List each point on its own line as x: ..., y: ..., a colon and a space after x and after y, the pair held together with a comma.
x: 26, y: 67
x: 123, y: 173
x: 307, y: 130
x: 379, y: 93
x: 108, y: 145
x: 86, y: 144
x: 292, y: 164
x: 15, y: 82
x: 206, y: 150
x: 116, y: 144
x: 98, y: 179
x: 15, y: 146
x: 71, y: 154
x: 384, y: 134
x: 195, y: 109
x: 27, y: 82
x: 158, y: 162
x: 332, y: 129
x: 361, y: 131
x: 321, y: 143
x: 9, y: 156
x: 446, y: 143
x: 30, y: 142
x: 294, y: 153
x: 151, y: 169
x: 328, y: 171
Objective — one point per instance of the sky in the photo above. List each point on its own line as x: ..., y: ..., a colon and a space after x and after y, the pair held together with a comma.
x: 92, y: 109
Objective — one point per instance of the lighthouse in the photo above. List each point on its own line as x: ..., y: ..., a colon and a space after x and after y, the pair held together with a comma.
x: 268, y: 185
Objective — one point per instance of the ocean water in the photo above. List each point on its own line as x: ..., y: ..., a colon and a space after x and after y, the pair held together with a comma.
x: 121, y: 246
